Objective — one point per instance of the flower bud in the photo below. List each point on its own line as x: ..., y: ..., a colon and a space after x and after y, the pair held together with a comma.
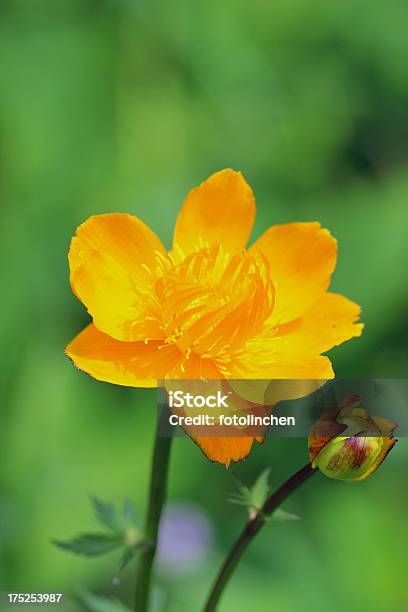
x: 348, y: 444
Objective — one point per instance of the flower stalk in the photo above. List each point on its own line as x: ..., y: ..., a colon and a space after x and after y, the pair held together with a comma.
x: 252, y: 527
x: 157, y: 497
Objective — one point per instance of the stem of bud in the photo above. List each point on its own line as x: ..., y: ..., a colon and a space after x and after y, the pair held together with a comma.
x: 250, y: 530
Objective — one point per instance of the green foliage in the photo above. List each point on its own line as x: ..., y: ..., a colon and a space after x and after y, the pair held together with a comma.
x: 91, y: 544
x: 123, y: 106
x: 282, y: 516
x: 106, y: 514
x: 126, y: 536
x: 112, y: 518
x: 253, y: 498
x: 260, y: 489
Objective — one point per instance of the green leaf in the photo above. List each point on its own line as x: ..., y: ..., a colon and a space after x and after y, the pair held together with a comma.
x: 259, y: 491
x: 91, y: 544
x: 236, y: 499
x: 129, y: 513
x: 106, y: 514
x: 252, y: 498
x: 129, y: 554
x: 282, y: 516
x: 241, y: 497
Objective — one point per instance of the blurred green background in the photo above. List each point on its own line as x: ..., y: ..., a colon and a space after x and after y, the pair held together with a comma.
x: 124, y: 105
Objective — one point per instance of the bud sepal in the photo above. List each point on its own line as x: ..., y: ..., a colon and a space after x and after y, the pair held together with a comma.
x: 348, y: 444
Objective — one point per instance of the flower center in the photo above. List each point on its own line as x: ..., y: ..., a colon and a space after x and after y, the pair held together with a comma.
x: 212, y: 301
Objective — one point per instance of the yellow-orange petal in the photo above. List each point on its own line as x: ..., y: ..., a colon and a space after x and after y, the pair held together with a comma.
x: 132, y: 364
x: 256, y: 363
x: 331, y: 321
x: 302, y: 257
x: 221, y: 209
x: 219, y: 442
x: 225, y: 450
x: 114, y: 261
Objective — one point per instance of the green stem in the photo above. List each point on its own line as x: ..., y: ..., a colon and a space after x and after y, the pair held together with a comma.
x: 250, y: 530
x: 157, y: 496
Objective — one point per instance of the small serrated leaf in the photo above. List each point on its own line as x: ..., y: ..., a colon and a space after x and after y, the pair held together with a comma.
x: 281, y: 516
x: 129, y: 513
x: 241, y: 497
x: 127, y: 556
x: 91, y: 544
x: 260, y: 489
x: 238, y: 500
x: 130, y: 552
x: 106, y: 514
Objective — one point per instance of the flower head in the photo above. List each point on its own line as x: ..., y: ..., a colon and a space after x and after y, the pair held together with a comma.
x: 347, y: 444
x: 209, y: 308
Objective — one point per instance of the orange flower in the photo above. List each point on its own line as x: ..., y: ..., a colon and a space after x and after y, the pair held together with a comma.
x: 209, y: 308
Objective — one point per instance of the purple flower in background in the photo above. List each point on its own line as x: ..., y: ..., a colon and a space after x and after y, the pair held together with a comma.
x: 185, y: 537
